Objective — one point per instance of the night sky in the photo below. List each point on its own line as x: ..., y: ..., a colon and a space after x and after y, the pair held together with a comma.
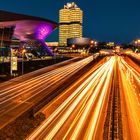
x: 104, y: 20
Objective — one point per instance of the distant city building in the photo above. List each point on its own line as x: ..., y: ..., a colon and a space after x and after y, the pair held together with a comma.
x: 110, y: 44
x: 70, y: 20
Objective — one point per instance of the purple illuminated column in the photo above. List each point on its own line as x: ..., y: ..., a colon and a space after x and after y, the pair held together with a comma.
x: 41, y: 33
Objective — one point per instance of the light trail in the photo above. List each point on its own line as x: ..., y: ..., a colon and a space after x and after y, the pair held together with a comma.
x: 63, y: 105
x: 92, y: 128
x: 88, y: 108
x: 84, y: 97
x: 78, y: 64
x: 131, y: 96
x: 131, y: 70
x: 135, y: 55
x: 68, y: 112
x: 36, y: 72
x: 32, y: 87
x: 43, y: 77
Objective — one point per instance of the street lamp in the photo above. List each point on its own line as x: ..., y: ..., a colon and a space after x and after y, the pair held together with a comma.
x: 73, y: 46
x: 91, y: 42
x: 95, y: 43
x: 136, y: 42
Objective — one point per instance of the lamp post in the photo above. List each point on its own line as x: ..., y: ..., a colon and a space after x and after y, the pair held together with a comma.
x: 23, y: 52
x: 11, y: 55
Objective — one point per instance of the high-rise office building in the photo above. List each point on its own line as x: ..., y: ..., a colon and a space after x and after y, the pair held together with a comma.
x: 70, y: 20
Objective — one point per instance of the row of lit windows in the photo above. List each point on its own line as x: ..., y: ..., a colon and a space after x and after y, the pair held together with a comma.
x: 66, y: 15
x: 73, y: 30
x: 70, y: 13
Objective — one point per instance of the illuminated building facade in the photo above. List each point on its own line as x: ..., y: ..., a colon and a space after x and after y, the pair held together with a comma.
x: 25, y: 28
x: 70, y: 20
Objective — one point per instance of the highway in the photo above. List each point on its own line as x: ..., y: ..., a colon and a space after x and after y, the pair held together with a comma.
x: 130, y: 91
x: 17, y: 98
x: 78, y: 112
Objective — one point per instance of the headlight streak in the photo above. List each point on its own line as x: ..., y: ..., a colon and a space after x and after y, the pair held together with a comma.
x: 91, y: 101
x: 34, y: 82
x: 131, y: 98
x: 61, y: 114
